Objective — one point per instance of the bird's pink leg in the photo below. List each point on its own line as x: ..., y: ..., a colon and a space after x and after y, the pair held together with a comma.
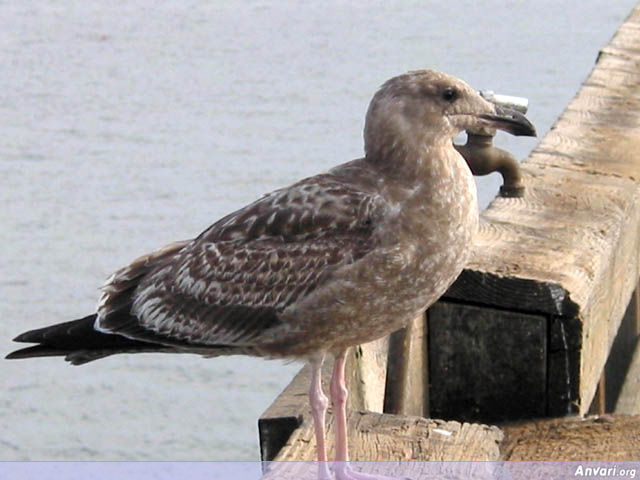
x: 319, y: 403
x: 339, y: 395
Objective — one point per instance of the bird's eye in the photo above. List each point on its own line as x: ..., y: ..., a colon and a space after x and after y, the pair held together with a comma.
x: 450, y: 94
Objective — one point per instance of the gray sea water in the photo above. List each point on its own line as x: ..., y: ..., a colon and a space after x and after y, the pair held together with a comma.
x: 127, y: 125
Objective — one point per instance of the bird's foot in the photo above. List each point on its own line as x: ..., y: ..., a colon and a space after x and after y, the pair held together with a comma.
x: 343, y: 471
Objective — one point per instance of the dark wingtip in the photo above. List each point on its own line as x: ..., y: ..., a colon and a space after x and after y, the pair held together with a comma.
x: 14, y: 355
x: 26, y: 337
x: 35, y: 351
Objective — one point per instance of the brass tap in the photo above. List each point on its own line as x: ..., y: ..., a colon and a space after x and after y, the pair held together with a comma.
x: 483, y: 158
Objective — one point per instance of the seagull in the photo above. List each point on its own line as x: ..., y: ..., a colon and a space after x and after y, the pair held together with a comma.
x: 310, y: 270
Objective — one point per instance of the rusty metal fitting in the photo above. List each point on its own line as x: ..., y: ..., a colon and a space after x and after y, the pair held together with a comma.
x: 483, y: 158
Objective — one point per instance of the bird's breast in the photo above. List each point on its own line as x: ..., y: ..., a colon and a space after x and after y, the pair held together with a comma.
x: 422, y: 244
x: 429, y: 240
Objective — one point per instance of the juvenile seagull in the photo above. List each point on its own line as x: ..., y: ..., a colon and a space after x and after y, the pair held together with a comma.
x: 332, y: 261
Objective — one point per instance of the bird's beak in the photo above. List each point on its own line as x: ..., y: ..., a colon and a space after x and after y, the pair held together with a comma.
x: 510, y: 121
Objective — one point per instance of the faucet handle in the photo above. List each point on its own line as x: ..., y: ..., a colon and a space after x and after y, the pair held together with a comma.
x: 519, y: 104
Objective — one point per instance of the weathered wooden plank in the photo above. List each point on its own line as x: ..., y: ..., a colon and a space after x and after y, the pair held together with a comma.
x: 599, y: 402
x: 564, y: 233
x: 628, y: 402
x: 636, y: 299
x: 620, y: 357
x: 366, y: 375
x: 486, y: 364
x: 395, y: 437
x: 608, y: 437
x: 398, y: 438
x: 407, y: 384
x: 603, y: 438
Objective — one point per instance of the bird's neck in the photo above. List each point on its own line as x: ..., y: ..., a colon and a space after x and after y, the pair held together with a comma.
x: 432, y: 189
x: 415, y: 163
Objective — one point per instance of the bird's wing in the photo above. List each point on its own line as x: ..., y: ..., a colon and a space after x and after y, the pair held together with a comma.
x: 230, y: 284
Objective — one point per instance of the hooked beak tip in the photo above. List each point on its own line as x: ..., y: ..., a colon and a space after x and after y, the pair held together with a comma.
x: 510, y: 121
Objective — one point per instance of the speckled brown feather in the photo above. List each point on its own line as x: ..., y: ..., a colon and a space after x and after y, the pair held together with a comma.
x: 230, y: 285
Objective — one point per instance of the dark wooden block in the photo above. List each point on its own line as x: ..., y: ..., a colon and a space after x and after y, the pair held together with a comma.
x: 485, y: 364
x: 565, y: 339
x: 512, y: 293
x: 274, y: 434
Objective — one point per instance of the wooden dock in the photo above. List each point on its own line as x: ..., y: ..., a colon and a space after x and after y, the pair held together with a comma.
x: 529, y: 330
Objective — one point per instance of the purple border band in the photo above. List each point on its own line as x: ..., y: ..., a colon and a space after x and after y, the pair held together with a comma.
x: 414, y: 470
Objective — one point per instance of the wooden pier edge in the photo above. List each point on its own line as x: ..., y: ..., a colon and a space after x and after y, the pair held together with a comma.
x: 566, y: 253
x: 551, y: 276
x: 395, y: 438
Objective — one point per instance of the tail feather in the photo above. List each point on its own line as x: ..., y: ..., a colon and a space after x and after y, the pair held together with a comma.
x: 79, y: 342
x: 35, y: 351
x: 63, y: 334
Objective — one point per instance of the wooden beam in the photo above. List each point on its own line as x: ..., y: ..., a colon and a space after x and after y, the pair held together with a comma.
x: 396, y: 437
x: 563, y: 365
x: 599, y: 403
x: 569, y: 249
x: 406, y: 385
x: 366, y: 374
x: 602, y: 438
x: 636, y: 297
x: 629, y: 399
x: 416, y: 440
x: 485, y: 364
x: 620, y: 357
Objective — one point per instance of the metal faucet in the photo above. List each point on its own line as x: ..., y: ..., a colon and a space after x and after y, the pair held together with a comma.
x: 483, y: 158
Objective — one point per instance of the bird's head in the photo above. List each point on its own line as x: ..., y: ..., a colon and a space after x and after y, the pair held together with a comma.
x: 427, y: 107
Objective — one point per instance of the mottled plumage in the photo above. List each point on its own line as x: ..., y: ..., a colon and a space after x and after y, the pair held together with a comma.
x: 230, y: 286
x: 334, y: 260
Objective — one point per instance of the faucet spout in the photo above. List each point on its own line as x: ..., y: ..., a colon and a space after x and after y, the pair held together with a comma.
x: 483, y: 158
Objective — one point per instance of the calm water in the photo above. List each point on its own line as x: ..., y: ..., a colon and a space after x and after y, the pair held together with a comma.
x: 127, y: 126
